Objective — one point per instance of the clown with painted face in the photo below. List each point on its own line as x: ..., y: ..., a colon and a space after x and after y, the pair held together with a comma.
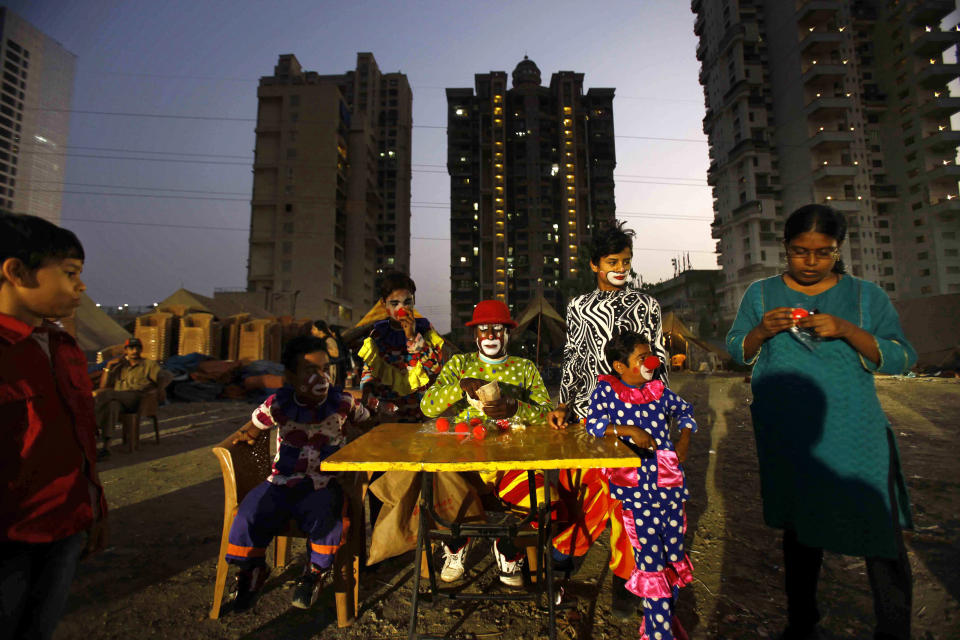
x: 635, y: 408
x: 614, y: 306
x: 523, y: 395
x: 312, y: 418
x: 403, y: 353
x: 522, y: 398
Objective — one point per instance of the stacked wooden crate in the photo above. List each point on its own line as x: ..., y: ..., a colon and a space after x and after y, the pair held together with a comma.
x: 155, y: 331
x: 199, y: 333
x: 260, y: 340
x: 230, y: 333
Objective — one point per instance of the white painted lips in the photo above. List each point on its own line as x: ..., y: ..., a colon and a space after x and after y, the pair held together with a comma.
x: 490, y: 346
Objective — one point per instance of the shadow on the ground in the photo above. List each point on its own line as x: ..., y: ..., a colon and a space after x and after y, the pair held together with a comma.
x: 140, y: 543
x: 695, y: 389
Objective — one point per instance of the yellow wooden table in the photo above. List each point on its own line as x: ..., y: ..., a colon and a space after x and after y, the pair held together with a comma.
x: 420, y: 447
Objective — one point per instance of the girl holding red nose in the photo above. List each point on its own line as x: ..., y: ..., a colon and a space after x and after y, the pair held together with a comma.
x: 635, y: 408
x: 830, y: 473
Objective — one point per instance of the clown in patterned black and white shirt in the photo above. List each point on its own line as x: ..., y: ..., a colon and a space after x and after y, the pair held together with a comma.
x: 592, y: 319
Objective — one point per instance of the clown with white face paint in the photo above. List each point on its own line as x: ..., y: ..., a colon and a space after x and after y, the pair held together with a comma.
x: 492, y: 341
x: 615, y: 305
x: 523, y: 399
x: 403, y: 353
x: 311, y: 418
x: 635, y: 408
x: 523, y: 395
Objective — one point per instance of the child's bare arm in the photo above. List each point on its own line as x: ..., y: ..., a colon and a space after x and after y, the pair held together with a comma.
x: 682, y: 444
x: 640, y: 437
x: 248, y: 433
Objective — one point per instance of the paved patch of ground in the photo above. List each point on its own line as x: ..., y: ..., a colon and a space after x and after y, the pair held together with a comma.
x: 156, y: 578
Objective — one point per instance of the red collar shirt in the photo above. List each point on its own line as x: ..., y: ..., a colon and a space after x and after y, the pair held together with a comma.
x: 47, y: 435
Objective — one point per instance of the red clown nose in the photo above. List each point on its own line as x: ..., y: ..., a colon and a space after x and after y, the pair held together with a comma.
x: 651, y: 362
x: 401, y: 313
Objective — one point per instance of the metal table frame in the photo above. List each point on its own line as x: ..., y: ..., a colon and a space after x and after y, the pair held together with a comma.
x: 396, y: 446
x: 543, y: 579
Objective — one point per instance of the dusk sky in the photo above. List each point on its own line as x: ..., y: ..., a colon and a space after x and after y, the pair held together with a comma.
x: 183, y: 217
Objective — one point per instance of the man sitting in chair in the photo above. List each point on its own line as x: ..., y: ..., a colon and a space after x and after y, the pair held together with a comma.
x: 124, y: 380
x: 522, y: 397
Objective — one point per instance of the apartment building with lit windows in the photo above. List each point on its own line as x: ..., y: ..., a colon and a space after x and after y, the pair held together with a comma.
x: 840, y: 102
x: 531, y: 174
x: 36, y: 88
x: 331, y: 189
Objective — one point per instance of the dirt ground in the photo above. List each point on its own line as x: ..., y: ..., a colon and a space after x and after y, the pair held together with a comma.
x: 156, y: 578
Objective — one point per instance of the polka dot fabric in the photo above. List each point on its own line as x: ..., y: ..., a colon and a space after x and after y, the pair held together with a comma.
x: 652, y: 495
x: 518, y: 377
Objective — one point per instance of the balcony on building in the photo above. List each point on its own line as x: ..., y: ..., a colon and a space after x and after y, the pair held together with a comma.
x: 739, y: 87
x: 844, y: 203
x: 833, y: 174
x: 823, y: 71
x: 708, y: 119
x: 831, y: 140
x: 945, y: 141
x: 733, y: 34
x: 747, y: 210
x: 817, y: 43
x: 745, y: 146
x: 716, y: 231
x: 940, y: 108
x: 817, y: 11
x: 702, y: 50
x: 932, y: 43
x: 884, y: 192
x: 943, y: 172
x: 937, y: 75
x: 944, y: 207
x: 712, y: 174
x: 828, y: 106
x: 929, y: 11
x: 874, y: 100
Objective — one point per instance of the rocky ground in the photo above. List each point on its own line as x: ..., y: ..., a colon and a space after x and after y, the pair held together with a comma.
x: 156, y: 578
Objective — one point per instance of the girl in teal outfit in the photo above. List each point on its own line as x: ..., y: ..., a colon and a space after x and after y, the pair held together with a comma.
x: 829, y: 467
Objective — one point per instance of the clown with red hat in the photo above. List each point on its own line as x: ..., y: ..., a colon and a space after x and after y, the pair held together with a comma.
x: 462, y: 390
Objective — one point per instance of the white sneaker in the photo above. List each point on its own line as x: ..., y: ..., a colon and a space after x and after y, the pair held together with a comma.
x: 510, y: 570
x: 453, y: 563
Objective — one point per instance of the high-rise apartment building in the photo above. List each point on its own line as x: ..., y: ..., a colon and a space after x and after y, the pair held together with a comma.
x: 531, y: 174
x: 840, y: 102
x: 331, y: 188
x: 35, y: 93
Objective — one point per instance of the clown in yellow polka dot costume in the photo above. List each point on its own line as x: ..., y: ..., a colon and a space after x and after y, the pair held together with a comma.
x: 523, y: 398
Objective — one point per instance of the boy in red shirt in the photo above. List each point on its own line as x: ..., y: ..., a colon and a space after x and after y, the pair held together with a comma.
x: 52, y: 508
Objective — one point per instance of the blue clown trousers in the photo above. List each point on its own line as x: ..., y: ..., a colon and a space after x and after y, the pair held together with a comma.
x: 266, y: 510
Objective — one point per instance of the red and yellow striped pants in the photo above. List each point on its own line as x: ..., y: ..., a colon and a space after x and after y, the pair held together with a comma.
x: 582, y: 504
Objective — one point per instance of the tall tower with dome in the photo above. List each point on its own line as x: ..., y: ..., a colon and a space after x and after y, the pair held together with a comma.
x: 531, y: 175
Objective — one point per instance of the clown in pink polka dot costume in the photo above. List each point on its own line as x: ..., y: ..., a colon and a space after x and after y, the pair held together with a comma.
x: 636, y: 408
